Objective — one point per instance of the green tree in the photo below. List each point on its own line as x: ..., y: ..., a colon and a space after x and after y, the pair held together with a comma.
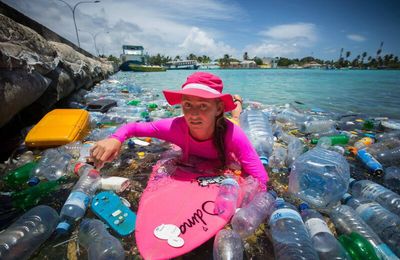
x: 225, y: 61
x: 191, y: 57
x: 284, y: 62
x: 177, y: 58
x: 258, y: 61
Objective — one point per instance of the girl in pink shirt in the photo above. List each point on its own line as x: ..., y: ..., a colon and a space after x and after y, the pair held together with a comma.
x: 202, y: 131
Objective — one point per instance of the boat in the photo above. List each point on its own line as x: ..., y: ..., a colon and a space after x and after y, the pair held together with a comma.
x: 145, y: 68
x: 182, y: 65
x: 131, y: 55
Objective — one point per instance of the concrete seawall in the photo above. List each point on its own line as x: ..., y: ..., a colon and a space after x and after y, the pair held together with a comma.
x: 38, y: 69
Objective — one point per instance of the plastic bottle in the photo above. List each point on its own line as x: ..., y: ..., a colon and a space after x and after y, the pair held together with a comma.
x: 227, y: 198
x: 317, y: 126
x: 54, y: 164
x: 289, y: 235
x: 99, y: 243
x: 347, y: 220
x: 16, y: 178
x: 249, y: 188
x: 320, y: 177
x: 323, y: 240
x: 391, y: 179
x: 77, y: 202
x: 30, y: 197
x: 370, y: 190
x: 388, y: 135
x: 385, y: 224
x: 370, y: 162
x: 331, y: 140
x: 390, y: 156
x: 24, y: 236
x: 247, y: 219
x: 295, y: 149
x: 277, y: 160
x: 358, y: 247
x: 362, y: 144
x: 256, y: 125
x: 227, y: 245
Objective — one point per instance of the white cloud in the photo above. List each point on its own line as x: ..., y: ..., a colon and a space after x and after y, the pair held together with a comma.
x: 198, y: 41
x: 285, y: 40
x: 296, y: 31
x: 160, y: 26
x: 356, y: 37
x: 271, y: 49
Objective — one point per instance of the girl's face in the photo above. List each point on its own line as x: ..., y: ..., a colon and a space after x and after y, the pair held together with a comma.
x: 200, y: 115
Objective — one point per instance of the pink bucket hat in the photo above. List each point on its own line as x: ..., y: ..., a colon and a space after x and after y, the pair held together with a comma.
x: 204, y: 85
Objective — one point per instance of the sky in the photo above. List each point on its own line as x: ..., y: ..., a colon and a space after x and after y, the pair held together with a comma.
x: 262, y: 28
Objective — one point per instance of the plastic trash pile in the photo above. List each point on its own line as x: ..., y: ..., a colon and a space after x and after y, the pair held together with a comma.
x: 333, y: 191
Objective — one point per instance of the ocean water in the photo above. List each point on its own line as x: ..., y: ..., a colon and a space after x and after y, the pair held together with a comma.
x: 374, y: 93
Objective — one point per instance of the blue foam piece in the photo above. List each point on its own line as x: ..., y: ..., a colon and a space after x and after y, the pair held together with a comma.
x: 109, y: 207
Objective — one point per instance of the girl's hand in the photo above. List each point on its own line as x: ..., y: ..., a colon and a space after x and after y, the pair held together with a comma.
x: 105, y: 151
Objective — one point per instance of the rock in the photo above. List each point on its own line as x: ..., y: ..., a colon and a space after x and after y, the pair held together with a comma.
x: 18, y: 89
x: 35, y: 73
x: 21, y: 47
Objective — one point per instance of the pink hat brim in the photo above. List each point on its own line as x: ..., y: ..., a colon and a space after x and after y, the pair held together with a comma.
x: 175, y: 97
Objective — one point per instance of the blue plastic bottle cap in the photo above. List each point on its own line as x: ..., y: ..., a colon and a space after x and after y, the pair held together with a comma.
x: 264, y: 160
x: 62, y: 227
x: 273, y: 193
x: 346, y: 197
x: 351, y: 182
x: 303, y: 206
x: 33, y: 181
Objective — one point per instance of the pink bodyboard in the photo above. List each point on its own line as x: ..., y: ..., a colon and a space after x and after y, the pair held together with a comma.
x: 184, y: 199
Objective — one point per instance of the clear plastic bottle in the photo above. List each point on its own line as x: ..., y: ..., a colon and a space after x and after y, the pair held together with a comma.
x: 295, y: 149
x: 385, y: 224
x: 256, y: 125
x: 289, y: 116
x: 390, y: 156
x: 370, y: 190
x: 391, y: 179
x: 289, y: 235
x: 247, y: 219
x: 54, y: 164
x: 277, y: 160
x: 77, y: 202
x: 99, y: 243
x: 362, y: 144
x: 24, y: 236
x: 227, y: 198
x: 392, y: 135
x: 249, y: 188
x: 320, y: 177
x: 347, y: 220
x: 227, y: 245
x: 317, y: 126
x: 323, y: 240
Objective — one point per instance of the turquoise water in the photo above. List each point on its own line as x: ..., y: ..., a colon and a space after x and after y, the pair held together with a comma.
x: 370, y: 92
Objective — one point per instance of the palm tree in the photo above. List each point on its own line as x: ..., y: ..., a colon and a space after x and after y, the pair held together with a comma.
x: 364, y: 54
x: 348, y: 53
x: 191, y: 57
x: 177, y: 57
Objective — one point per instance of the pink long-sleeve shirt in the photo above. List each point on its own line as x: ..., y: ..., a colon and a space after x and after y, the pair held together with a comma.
x: 175, y: 130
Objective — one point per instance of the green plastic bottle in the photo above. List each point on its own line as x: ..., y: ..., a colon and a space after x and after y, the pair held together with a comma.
x: 358, y: 247
x: 133, y: 102
x: 335, y: 139
x: 152, y: 106
x: 17, y: 178
x: 31, y: 197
